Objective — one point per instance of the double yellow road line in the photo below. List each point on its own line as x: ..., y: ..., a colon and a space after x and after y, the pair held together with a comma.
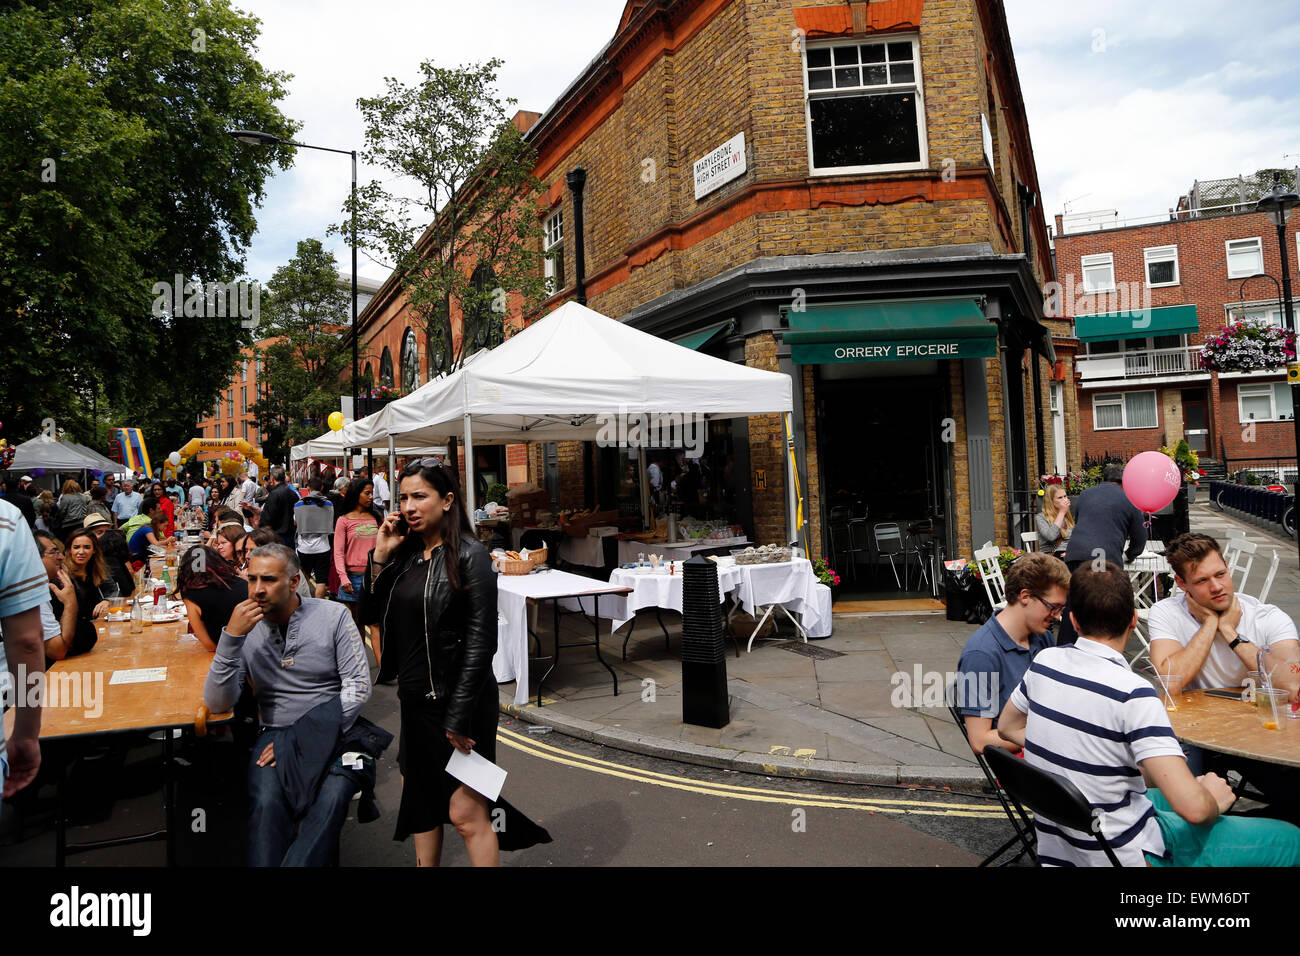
x: 938, y: 808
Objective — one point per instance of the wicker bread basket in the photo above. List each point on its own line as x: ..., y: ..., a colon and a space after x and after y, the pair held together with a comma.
x: 510, y: 566
x: 538, y: 558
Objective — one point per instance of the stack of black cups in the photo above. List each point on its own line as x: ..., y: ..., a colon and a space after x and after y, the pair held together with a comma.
x: 704, y: 662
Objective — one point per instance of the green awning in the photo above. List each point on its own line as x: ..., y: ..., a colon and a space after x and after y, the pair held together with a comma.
x: 890, y: 330
x: 1137, y: 324
x: 697, y: 340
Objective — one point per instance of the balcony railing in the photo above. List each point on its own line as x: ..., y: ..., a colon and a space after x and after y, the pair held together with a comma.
x: 1144, y: 364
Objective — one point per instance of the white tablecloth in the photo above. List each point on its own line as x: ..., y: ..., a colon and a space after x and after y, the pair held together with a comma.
x: 629, y: 549
x: 660, y: 589
x: 513, y: 592
x: 791, y: 583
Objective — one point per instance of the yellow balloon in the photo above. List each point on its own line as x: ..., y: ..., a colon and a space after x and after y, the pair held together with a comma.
x: 336, y: 421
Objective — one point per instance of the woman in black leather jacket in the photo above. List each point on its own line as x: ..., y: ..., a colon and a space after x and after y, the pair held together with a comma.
x: 431, y: 587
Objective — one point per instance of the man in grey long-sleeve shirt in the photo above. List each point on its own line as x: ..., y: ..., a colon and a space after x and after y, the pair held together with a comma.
x: 1104, y: 519
x: 296, y: 654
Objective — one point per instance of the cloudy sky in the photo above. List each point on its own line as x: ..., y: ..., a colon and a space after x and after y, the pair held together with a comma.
x: 1128, y: 102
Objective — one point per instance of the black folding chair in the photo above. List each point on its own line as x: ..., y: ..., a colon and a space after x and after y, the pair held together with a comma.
x: 1050, y: 796
x: 1020, y: 821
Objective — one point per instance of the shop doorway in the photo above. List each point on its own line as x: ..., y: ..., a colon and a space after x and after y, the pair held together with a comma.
x: 884, y: 465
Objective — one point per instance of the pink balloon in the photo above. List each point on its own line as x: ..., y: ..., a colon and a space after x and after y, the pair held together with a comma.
x: 1151, y: 481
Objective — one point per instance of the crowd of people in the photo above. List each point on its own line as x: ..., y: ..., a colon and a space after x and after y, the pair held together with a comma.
x: 286, y: 586
x: 1069, y: 703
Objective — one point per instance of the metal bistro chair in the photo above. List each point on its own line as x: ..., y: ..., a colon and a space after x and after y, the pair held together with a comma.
x: 1030, y: 540
x: 986, y: 558
x: 889, y: 544
x: 1050, y: 796
x: 843, y: 541
x: 1020, y: 821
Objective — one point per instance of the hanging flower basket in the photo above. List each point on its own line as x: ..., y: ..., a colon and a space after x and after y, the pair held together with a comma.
x: 1248, y: 347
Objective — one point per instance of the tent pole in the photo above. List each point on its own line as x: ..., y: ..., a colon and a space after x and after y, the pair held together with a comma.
x: 392, y: 473
x: 469, y: 472
x: 645, y: 488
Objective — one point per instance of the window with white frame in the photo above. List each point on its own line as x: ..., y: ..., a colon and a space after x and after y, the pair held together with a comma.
x: 1269, y: 402
x: 1124, y: 410
x: 1162, y: 265
x: 864, y: 106
x: 1098, y: 272
x: 553, y: 249
x: 1260, y: 312
x: 1245, y: 257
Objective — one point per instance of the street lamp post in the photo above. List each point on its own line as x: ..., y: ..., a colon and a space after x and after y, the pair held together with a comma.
x: 256, y: 138
x: 1278, y: 206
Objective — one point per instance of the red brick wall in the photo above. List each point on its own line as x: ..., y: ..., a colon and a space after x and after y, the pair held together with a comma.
x: 1203, y: 282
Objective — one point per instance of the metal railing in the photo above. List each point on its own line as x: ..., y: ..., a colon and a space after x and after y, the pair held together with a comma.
x: 1179, y: 361
x: 1279, y: 471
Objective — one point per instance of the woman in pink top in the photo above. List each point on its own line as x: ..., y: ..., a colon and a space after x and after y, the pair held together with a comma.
x: 354, y: 539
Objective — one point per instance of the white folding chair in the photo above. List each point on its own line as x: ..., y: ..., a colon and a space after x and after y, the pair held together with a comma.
x: 1237, y: 549
x: 1138, y: 630
x: 1030, y: 540
x: 995, y: 587
x: 1268, y: 581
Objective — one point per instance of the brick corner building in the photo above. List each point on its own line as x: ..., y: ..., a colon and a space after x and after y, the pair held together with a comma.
x: 844, y: 192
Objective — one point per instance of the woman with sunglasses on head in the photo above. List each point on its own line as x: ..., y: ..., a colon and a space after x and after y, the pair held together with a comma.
x: 430, y: 585
x: 84, y: 563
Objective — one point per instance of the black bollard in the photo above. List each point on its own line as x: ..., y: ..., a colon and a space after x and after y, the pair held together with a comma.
x: 705, y: 701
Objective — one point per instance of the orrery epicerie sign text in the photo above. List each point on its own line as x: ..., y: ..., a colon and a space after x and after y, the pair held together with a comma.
x: 901, y: 351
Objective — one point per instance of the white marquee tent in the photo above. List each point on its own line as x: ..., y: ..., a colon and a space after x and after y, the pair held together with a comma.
x: 562, y: 379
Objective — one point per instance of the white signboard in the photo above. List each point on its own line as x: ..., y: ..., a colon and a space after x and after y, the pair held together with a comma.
x: 720, y: 166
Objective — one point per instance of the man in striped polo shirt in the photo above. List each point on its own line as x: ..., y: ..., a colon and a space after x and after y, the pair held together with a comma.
x: 1080, y: 712
x: 24, y: 588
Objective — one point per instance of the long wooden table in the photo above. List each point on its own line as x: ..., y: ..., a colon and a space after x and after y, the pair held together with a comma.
x: 1232, y: 727
x: 175, y: 702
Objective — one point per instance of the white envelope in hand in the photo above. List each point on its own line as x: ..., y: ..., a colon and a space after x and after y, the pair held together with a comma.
x: 477, y: 772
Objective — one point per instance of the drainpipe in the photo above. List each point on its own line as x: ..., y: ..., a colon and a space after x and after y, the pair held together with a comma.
x: 577, y: 180
x: 1036, y: 359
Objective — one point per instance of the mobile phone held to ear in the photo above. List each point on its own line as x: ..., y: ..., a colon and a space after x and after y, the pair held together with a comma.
x: 402, y: 527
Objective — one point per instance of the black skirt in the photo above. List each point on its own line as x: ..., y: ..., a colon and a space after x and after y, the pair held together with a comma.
x: 427, y: 787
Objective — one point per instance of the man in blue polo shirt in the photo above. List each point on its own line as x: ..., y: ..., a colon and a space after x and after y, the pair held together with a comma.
x: 1082, y: 713
x: 998, y: 654
x: 24, y: 587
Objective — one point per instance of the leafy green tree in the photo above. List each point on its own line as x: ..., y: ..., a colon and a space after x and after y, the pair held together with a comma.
x: 472, y: 236
x: 117, y: 175
x: 308, y: 356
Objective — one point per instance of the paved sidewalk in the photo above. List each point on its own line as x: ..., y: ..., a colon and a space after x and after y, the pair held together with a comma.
x: 830, y: 709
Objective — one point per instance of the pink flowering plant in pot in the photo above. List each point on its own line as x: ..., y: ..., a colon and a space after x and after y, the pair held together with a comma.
x: 825, y: 574
x: 1248, y: 347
